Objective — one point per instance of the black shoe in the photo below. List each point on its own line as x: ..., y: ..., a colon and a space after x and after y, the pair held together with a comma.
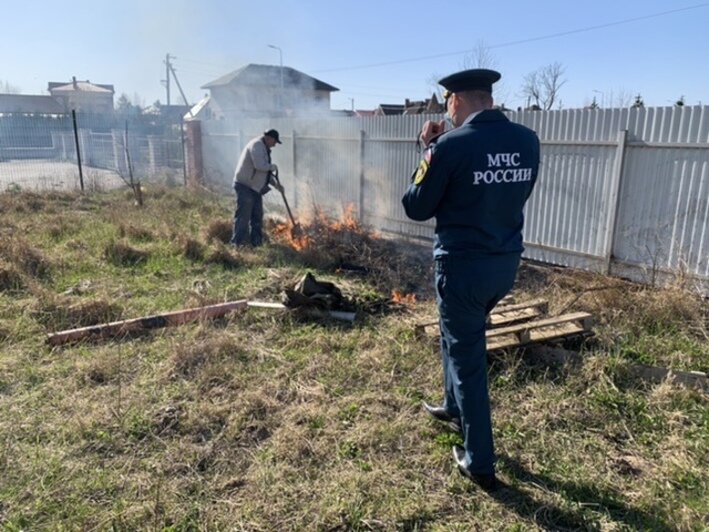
x: 440, y: 414
x: 486, y: 482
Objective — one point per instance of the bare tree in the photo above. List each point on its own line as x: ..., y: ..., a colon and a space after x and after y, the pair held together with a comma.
x: 7, y: 88
x: 541, y: 87
x: 621, y: 98
x: 434, y: 87
x: 479, y: 57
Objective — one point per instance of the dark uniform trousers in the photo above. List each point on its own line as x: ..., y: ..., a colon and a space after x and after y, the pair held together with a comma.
x: 467, y: 289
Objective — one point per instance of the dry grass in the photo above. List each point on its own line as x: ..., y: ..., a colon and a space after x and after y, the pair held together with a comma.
x: 10, y: 278
x: 58, y: 312
x: 192, y: 249
x: 261, y: 421
x: 27, y: 259
x: 122, y: 254
x: 135, y: 233
x: 219, y: 231
x: 223, y: 255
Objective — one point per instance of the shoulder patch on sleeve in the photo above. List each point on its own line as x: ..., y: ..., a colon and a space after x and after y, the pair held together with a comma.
x: 421, y: 172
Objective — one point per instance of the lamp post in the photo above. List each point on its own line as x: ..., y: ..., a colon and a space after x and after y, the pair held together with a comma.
x: 603, y: 97
x: 280, y: 57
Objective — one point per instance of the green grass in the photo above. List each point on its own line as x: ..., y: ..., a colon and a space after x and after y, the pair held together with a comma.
x: 267, y: 421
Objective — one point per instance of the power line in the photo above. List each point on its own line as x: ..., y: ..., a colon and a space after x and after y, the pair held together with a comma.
x: 521, y: 41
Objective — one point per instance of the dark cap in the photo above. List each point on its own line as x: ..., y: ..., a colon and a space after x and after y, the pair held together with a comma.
x: 273, y: 134
x: 477, y: 79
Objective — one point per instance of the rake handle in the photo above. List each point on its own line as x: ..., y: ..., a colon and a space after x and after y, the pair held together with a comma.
x: 283, y: 195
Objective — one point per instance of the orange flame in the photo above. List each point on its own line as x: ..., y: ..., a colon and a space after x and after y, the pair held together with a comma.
x: 403, y: 299
x: 284, y: 232
x: 320, y: 230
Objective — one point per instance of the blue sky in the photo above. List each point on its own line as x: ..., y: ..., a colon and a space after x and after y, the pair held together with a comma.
x: 124, y: 43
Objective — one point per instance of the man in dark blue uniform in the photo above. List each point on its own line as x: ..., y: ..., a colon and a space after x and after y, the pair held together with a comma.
x: 475, y: 180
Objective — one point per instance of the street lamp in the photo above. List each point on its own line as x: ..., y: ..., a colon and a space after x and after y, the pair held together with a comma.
x: 603, y: 97
x: 280, y: 56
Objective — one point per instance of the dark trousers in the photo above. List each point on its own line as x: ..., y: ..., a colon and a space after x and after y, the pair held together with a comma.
x: 248, y: 215
x: 467, y: 289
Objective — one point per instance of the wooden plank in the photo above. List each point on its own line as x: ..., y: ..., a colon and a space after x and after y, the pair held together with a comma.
x: 311, y: 311
x: 156, y: 321
x: 503, y: 341
x: 507, y: 313
x: 504, y: 318
x: 583, y: 318
x: 266, y: 304
x: 519, y: 306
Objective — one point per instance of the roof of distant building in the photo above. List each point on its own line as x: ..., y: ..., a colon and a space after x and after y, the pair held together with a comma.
x: 270, y: 75
x: 429, y: 105
x: 29, y: 103
x: 78, y: 86
x: 197, y: 108
x: 390, y: 109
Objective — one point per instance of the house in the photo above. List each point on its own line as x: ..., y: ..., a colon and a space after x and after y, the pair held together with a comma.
x: 427, y: 106
x: 389, y: 109
x: 264, y: 90
x: 29, y: 104
x: 83, y: 96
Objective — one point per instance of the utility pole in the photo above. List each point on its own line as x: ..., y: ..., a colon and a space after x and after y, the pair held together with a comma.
x: 177, y: 82
x: 168, y: 66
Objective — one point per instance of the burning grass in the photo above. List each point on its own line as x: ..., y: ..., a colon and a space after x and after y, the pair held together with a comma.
x: 348, y: 246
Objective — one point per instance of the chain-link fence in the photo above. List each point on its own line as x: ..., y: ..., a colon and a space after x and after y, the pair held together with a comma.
x: 42, y: 152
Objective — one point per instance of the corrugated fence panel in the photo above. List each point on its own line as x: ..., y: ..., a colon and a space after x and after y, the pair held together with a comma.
x: 663, y: 225
x: 636, y: 204
x: 391, y: 155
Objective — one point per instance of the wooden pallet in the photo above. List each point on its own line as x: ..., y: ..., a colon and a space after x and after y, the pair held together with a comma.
x: 538, y: 331
x: 519, y: 324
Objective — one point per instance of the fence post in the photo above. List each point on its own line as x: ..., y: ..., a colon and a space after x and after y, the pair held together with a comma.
x: 614, y: 198
x: 194, y: 152
x: 78, y: 150
x: 295, y: 172
x: 184, y: 162
x: 361, y: 175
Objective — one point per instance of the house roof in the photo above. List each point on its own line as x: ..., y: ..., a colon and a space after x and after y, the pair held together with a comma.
x: 429, y: 105
x: 196, y: 109
x: 390, y: 109
x: 27, y: 103
x: 81, y: 86
x: 269, y: 75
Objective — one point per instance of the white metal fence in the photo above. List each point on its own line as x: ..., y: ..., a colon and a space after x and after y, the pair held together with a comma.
x: 623, y: 191
x: 40, y: 152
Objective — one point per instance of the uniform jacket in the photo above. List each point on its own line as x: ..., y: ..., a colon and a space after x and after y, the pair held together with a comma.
x: 254, y: 165
x: 475, y: 181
